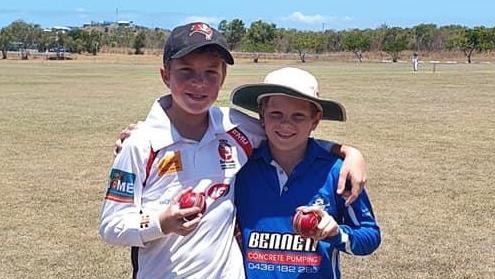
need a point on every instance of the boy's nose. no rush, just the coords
(198, 80)
(285, 121)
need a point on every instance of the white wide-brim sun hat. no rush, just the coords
(291, 82)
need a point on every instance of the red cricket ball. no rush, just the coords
(305, 224)
(192, 199)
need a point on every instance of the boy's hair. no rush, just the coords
(264, 101)
(187, 38)
(213, 50)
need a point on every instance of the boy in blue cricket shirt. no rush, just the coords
(291, 171)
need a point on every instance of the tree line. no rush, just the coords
(261, 36)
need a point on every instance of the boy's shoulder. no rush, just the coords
(322, 149)
(231, 118)
(140, 139)
(237, 117)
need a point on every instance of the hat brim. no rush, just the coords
(246, 96)
(225, 53)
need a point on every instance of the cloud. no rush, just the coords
(82, 13)
(205, 19)
(307, 19)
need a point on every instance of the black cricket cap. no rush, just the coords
(186, 38)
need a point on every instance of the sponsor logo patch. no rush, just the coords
(242, 140)
(218, 190)
(283, 249)
(202, 29)
(320, 202)
(225, 154)
(121, 186)
(170, 163)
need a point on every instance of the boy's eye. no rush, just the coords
(275, 114)
(184, 70)
(212, 72)
(299, 117)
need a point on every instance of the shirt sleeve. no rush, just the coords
(250, 126)
(122, 220)
(325, 144)
(359, 233)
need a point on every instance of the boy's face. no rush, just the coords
(288, 122)
(194, 81)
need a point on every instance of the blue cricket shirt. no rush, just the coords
(271, 249)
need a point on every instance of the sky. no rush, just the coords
(315, 15)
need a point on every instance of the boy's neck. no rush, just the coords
(288, 160)
(191, 126)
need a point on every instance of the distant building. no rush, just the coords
(125, 23)
(61, 29)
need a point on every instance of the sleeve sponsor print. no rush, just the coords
(121, 186)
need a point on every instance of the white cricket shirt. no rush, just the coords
(154, 165)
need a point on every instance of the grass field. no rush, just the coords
(428, 140)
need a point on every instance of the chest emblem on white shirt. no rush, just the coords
(170, 163)
(217, 190)
(225, 154)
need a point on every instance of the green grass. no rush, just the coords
(428, 141)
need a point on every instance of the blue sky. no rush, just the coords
(299, 14)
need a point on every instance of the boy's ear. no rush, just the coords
(165, 74)
(317, 119)
(260, 115)
(224, 72)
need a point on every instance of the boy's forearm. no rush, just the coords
(360, 241)
(130, 229)
(361, 228)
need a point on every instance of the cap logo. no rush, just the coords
(202, 28)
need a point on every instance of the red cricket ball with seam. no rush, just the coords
(306, 224)
(192, 199)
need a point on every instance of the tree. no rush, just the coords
(22, 34)
(155, 38)
(92, 41)
(139, 42)
(5, 38)
(233, 31)
(424, 36)
(470, 40)
(333, 41)
(394, 42)
(304, 42)
(357, 42)
(260, 37)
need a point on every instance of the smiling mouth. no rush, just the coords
(195, 97)
(283, 135)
